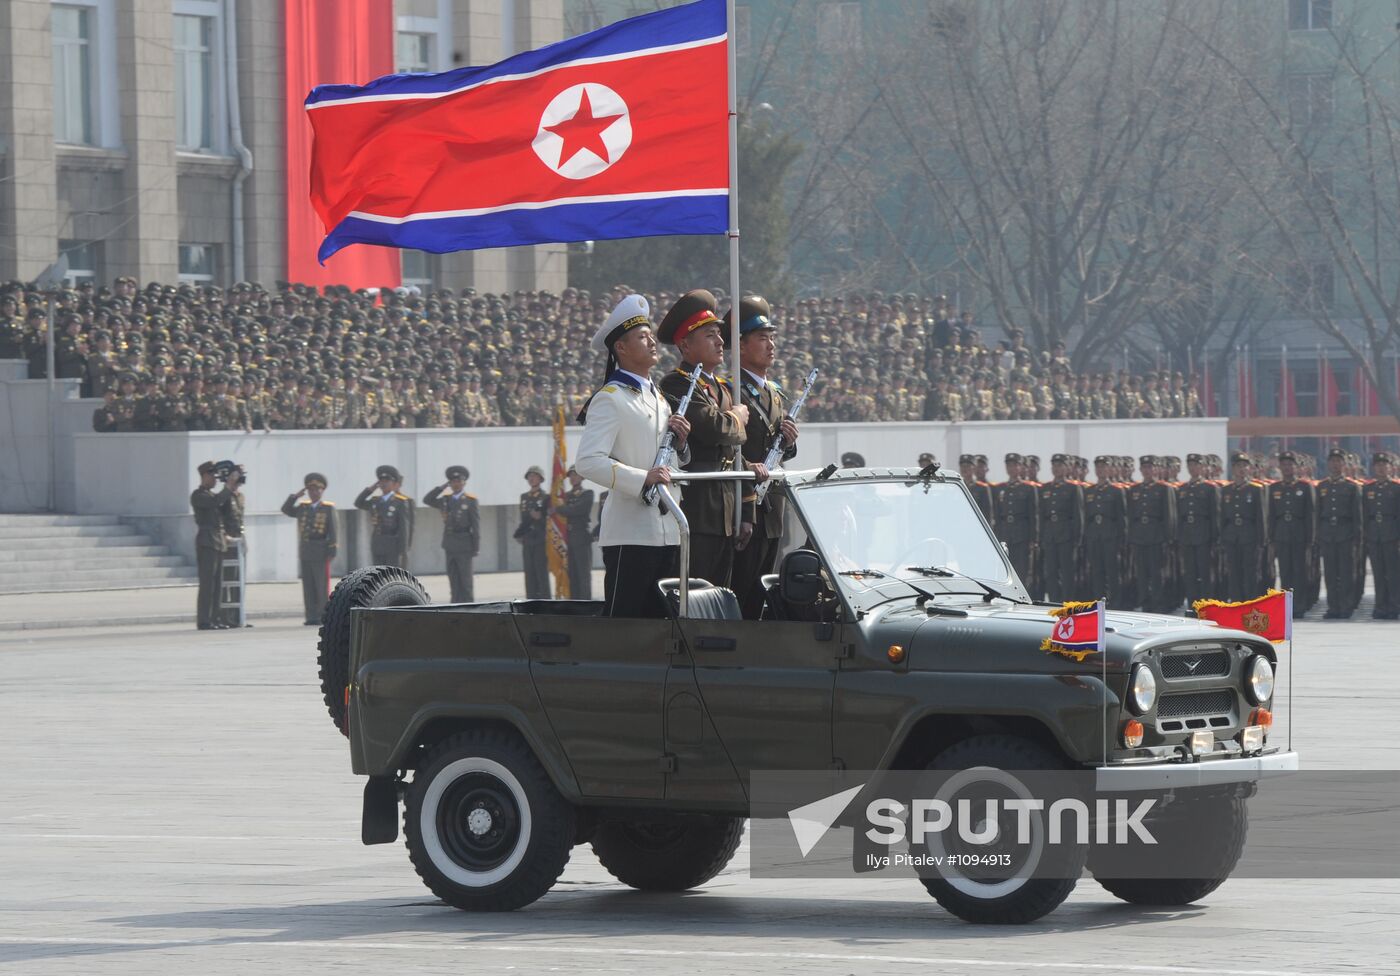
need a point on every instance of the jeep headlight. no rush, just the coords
(1259, 679)
(1142, 692)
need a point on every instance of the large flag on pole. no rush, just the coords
(556, 532)
(620, 132)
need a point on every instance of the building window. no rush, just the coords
(423, 35)
(741, 36)
(72, 74)
(82, 261)
(419, 270)
(1310, 285)
(1309, 99)
(198, 263)
(414, 52)
(1309, 14)
(194, 82)
(838, 27)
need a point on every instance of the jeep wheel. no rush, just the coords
(1214, 831)
(1001, 900)
(373, 586)
(675, 854)
(486, 829)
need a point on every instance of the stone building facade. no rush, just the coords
(123, 146)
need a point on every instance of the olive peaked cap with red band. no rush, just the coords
(691, 311)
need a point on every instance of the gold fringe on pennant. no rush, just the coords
(1238, 603)
(1071, 652)
(1071, 607)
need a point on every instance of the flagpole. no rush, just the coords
(1289, 610)
(732, 48)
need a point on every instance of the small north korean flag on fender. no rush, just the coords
(621, 132)
(1078, 630)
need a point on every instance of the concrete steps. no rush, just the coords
(56, 553)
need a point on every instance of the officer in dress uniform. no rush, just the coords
(1380, 509)
(1244, 530)
(391, 513)
(1105, 532)
(625, 422)
(316, 542)
(1292, 510)
(577, 510)
(461, 529)
(209, 546)
(231, 514)
(717, 428)
(532, 534)
(1018, 516)
(1151, 525)
(762, 521)
(1061, 528)
(981, 491)
(1198, 528)
(1339, 535)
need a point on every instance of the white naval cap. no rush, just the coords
(631, 312)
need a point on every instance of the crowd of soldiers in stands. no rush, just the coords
(186, 357)
(1166, 540)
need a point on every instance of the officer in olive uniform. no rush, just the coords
(1061, 528)
(316, 543)
(231, 514)
(209, 545)
(1151, 526)
(1292, 510)
(717, 428)
(391, 513)
(461, 529)
(1244, 530)
(1339, 535)
(1380, 510)
(532, 534)
(1105, 532)
(1018, 517)
(1198, 530)
(577, 510)
(768, 404)
(980, 490)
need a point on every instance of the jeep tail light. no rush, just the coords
(1132, 733)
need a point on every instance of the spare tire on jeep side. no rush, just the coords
(373, 586)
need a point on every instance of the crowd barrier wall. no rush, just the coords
(147, 478)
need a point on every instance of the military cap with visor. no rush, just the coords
(389, 472)
(314, 478)
(458, 471)
(755, 315)
(693, 310)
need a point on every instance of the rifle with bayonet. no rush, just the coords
(780, 445)
(666, 453)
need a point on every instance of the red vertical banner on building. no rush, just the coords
(327, 42)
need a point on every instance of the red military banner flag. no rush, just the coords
(1078, 632)
(1269, 616)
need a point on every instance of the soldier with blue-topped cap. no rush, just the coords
(624, 424)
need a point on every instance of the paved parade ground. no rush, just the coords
(177, 802)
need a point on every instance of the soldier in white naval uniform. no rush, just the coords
(624, 423)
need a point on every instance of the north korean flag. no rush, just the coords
(1079, 630)
(621, 132)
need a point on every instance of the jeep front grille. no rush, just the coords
(1196, 710)
(1196, 664)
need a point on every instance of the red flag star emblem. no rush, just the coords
(584, 131)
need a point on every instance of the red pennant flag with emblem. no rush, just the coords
(1269, 616)
(1078, 631)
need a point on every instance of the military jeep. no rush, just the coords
(895, 635)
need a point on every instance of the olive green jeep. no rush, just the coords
(895, 635)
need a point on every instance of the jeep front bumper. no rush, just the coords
(1185, 775)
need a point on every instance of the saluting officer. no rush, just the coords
(1244, 530)
(1380, 508)
(1339, 535)
(1198, 528)
(762, 521)
(1292, 509)
(1061, 528)
(980, 490)
(717, 427)
(1105, 532)
(461, 529)
(1151, 525)
(316, 543)
(577, 509)
(532, 534)
(624, 424)
(1018, 517)
(391, 514)
(209, 545)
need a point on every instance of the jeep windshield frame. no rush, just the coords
(890, 519)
